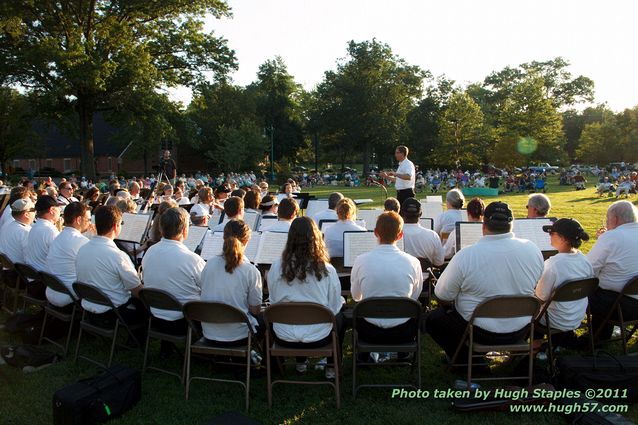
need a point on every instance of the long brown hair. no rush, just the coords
(305, 251)
(236, 234)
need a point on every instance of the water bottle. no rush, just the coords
(255, 358)
(460, 384)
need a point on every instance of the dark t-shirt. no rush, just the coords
(494, 182)
(169, 167)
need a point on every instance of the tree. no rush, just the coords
(574, 122)
(16, 135)
(87, 56)
(242, 148)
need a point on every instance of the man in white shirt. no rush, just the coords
(499, 264)
(386, 271)
(180, 276)
(405, 175)
(333, 236)
(100, 263)
(66, 194)
(16, 193)
(233, 210)
(330, 213)
(417, 240)
(286, 213)
(538, 205)
(15, 234)
(615, 261)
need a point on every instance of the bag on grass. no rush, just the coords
(27, 357)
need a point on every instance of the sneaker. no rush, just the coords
(330, 373)
(302, 367)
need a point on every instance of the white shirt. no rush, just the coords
(422, 243)
(282, 226)
(386, 271)
(325, 215)
(405, 167)
(560, 268)
(449, 247)
(61, 263)
(170, 266)
(241, 289)
(614, 257)
(13, 240)
(66, 201)
(333, 236)
(42, 233)
(447, 221)
(102, 264)
(6, 216)
(326, 292)
(495, 265)
(183, 201)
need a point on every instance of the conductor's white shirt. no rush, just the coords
(495, 265)
(614, 257)
(102, 264)
(170, 266)
(386, 271)
(422, 243)
(326, 292)
(405, 167)
(42, 234)
(61, 263)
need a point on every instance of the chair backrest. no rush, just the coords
(27, 272)
(6, 263)
(92, 294)
(387, 308)
(55, 284)
(507, 306)
(631, 287)
(337, 263)
(213, 312)
(160, 299)
(425, 263)
(573, 290)
(298, 314)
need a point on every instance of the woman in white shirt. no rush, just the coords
(346, 212)
(304, 274)
(447, 220)
(566, 236)
(475, 211)
(231, 279)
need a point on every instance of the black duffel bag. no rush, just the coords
(99, 398)
(602, 371)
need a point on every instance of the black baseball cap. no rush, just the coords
(498, 212)
(568, 228)
(411, 206)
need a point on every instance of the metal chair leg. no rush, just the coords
(148, 340)
(117, 325)
(44, 325)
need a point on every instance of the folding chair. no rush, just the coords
(29, 276)
(301, 314)
(500, 307)
(571, 290)
(12, 283)
(97, 296)
(386, 308)
(219, 313)
(630, 288)
(426, 269)
(158, 299)
(54, 283)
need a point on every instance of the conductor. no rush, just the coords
(168, 166)
(405, 175)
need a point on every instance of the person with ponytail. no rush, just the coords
(446, 221)
(304, 274)
(229, 278)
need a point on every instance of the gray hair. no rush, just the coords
(540, 203)
(455, 198)
(334, 199)
(173, 222)
(624, 211)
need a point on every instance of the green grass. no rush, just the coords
(26, 398)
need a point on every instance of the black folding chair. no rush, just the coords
(630, 288)
(13, 284)
(54, 284)
(30, 276)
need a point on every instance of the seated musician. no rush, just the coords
(180, 198)
(304, 274)
(447, 220)
(268, 206)
(240, 193)
(417, 240)
(204, 205)
(286, 213)
(180, 277)
(15, 234)
(134, 191)
(386, 271)
(222, 192)
(330, 213)
(155, 234)
(475, 211)
(229, 278)
(569, 264)
(252, 201)
(392, 204)
(42, 234)
(16, 193)
(499, 264)
(233, 209)
(614, 260)
(346, 212)
(263, 187)
(92, 198)
(66, 194)
(538, 205)
(102, 264)
(64, 250)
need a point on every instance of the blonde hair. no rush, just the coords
(346, 209)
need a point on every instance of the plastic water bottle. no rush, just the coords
(321, 364)
(460, 384)
(375, 357)
(255, 358)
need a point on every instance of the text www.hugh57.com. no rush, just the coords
(568, 409)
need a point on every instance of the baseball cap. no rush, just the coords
(568, 228)
(24, 204)
(498, 212)
(411, 206)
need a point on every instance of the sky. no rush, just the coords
(462, 39)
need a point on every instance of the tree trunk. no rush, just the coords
(87, 160)
(145, 162)
(366, 158)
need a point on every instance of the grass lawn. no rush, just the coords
(26, 398)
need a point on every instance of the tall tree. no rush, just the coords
(16, 135)
(88, 55)
(575, 121)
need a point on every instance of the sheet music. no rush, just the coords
(427, 222)
(251, 248)
(431, 210)
(532, 230)
(251, 218)
(214, 218)
(134, 227)
(325, 224)
(266, 222)
(369, 217)
(434, 198)
(315, 206)
(271, 245)
(281, 197)
(467, 234)
(363, 201)
(213, 245)
(195, 236)
(357, 243)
